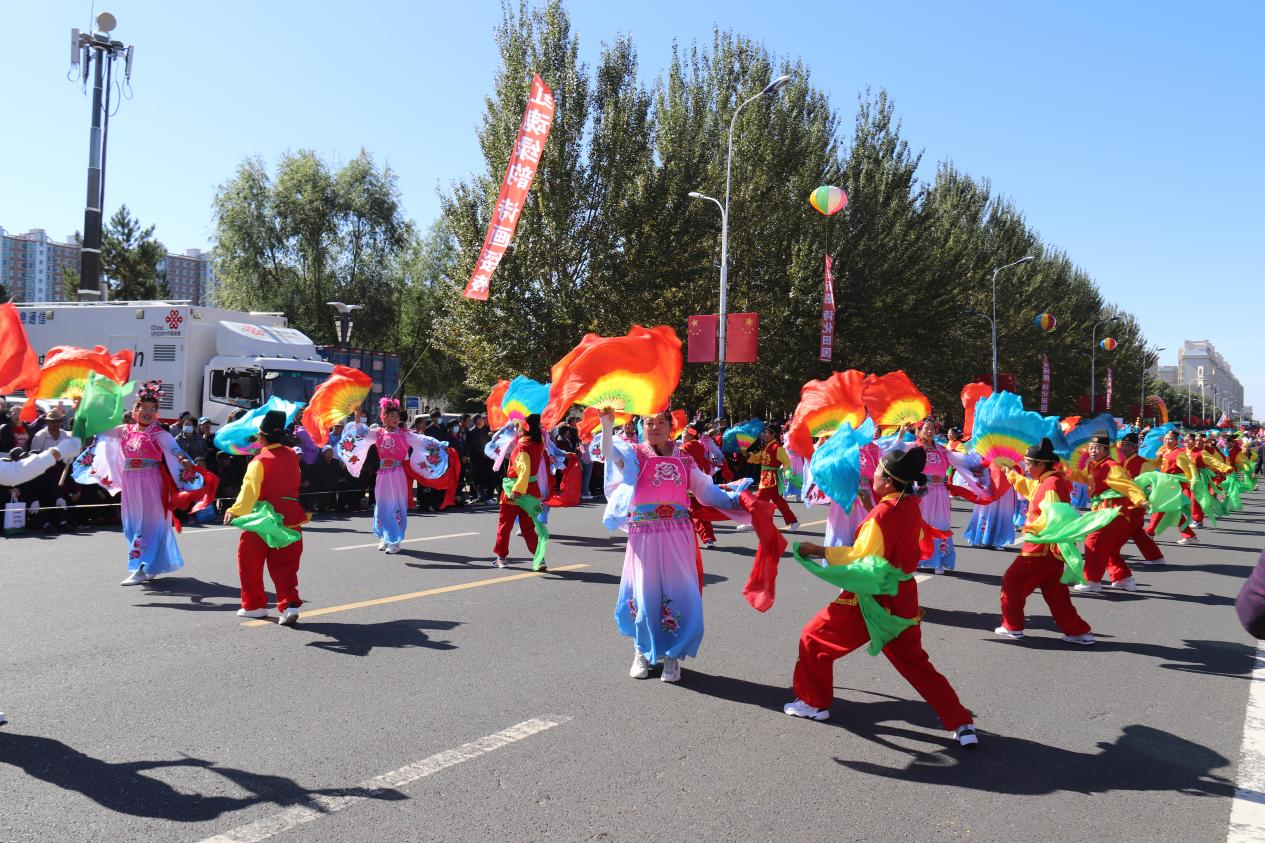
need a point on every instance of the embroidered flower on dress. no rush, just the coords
(668, 619)
(632, 608)
(665, 510)
(666, 472)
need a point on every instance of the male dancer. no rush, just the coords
(1135, 464)
(1110, 486)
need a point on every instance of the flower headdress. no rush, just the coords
(150, 391)
(386, 404)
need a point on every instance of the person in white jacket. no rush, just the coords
(17, 472)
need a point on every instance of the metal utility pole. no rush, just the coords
(97, 53)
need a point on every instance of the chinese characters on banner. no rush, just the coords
(1108, 388)
(1045, 384)
(826, 353)
(537, 120)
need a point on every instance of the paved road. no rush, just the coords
(489, 704)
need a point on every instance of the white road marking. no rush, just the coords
(923, 577)
(320, 806)
(409, 541)
(1247, 812)
(194, 532)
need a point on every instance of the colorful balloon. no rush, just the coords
(828, 200)
(1046, 322)
(1108, 344)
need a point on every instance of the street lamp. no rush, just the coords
(343, 321)
(1145, 366)
(1093, 356)
(993, 320)
(772, 88)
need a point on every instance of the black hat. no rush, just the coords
(1131, 438)
(274, 422)
(1100, 439)
(905, 467)
(1043, 452)
(955, 431)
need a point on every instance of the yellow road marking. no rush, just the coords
(812, 523)
(413, 595)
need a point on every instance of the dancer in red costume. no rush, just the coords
(273, 478)
(1110, 486)
(772, 458)
(1135, 464)
(693, 446)
(1172, 459)
(524, 465)
(1040, 565)
(894, 532)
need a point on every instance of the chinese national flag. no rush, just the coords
(701, 339)
(743, 338)
(19, 367)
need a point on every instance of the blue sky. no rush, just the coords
(1129, 133)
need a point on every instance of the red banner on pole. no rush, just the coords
(1045, 384)
(826, 352)
(742, 338)
(701, 338)
(532, 133)
(1108, 407)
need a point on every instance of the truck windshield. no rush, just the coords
(293, 386)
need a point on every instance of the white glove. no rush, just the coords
(69, 448)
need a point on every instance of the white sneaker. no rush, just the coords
(382, 545)
(1198, 525)
(742, 528)
(1126, 584)
(799, 708)
(136, 578)
(1088, 587)
(709, 545)
(792, 527)
(3, 719)
(393, 547)
(1086, 639)
(966, 736)
(939, 569)
(671, 670)
(1016, 634)
(499, 561)
(289, 617)
(640, 667)
(1188, 540)
(252, 613)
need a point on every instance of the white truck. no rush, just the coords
(210, 361)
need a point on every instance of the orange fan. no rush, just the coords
(65, 373)
(334, 400)
(893, 400)
(496, 415)
(971, 395)
(823, 406)
(633, 374)
(591, 423)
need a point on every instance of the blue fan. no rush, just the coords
(1150, 447)
(1004, 430)
(524, 397)
(836, 465)
(742, 436)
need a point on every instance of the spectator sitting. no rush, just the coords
(188, 440)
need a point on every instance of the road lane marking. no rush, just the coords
(413, 595)
(184, 533)
(318, 806)
(1247, 811)
(812, 523)
(923, 577)
(409, 541)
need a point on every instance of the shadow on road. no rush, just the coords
(360, 639)
(197, 592)
(125, 789)
(1141, 759)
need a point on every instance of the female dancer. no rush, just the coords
(935, 499)
(396, 445)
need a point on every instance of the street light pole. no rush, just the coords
(1024, 259)
(1093, 357)
(771, 88)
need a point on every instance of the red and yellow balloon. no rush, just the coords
(828, 200)
(1107, 344)
(1046, 322)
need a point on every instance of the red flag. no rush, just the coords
(826, 350)
(1045, 384)
(701, 338)
(742, 338)
(19, 367)
(519, 174)
(1108, 388)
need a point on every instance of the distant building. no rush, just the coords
(1199, 365)
(1167, 374)
(1247, 413)
(31, 264)
(31, 268)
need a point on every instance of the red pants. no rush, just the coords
(283, 568)
(1196, 511)
(702, 527)
(510, 512)
(837, 630)
(1150, 550)
(1024, 576)
(770, 493)
(1102, 547)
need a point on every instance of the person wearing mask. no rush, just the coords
(188, 440)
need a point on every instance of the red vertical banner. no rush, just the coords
(826, 350)
(519, 174)
(1045, 384)
(742, 338)
(1108, 388)
(701, 338)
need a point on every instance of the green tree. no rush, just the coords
(429, 266)
(70, 283)
(129, 258)
(312, 235)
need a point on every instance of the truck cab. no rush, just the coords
(284, 363)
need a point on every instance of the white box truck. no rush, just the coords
(210, 361)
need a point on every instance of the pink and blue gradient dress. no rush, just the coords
(392, 489)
